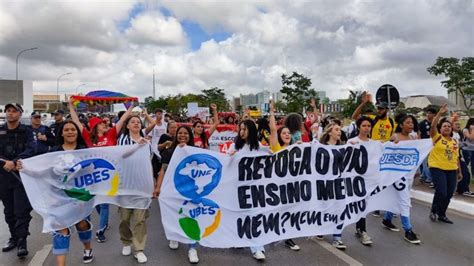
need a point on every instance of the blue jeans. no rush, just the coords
(426, 174)
(103, 210)
(445, 184)
(405, 220)
(463, 185)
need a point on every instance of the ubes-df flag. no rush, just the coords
(63, 187)
(254, 198)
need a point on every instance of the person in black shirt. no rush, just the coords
(16, 142)
(424, 128)
(58, 120)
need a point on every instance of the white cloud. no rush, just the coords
(153, 28)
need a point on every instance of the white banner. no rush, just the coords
(257, 198)
(63, 187)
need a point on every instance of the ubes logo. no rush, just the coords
(195, 177)
(92, 172)
(399, 159)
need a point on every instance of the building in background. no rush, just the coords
(10, 94)
(456, 98)
(45, 102)
(422, 101)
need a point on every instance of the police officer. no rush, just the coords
(42, 135)
(58, 121)
(16, 142)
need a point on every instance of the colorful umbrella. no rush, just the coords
(103, 97)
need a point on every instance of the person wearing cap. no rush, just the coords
(42, 135)
(99, 136)
(16, 142)
(58, 121)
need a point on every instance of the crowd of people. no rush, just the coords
(446, 169)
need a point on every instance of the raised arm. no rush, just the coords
(151, 122)
(434, 123)
(124, 117)
(74, 117)
(215, 119)
(365, 98)
(273, 127)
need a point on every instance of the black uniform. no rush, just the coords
(55, 128)
(15, 144)
(41, 146)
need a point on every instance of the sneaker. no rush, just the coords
(141, 258)
(100, 235)
(468, 194)
(444, 219)
(411, 237)
(193, 256)
(364, 238)
(88, 257)
(433, 216)
(319, 237)
(259, 255)
(173, 244)
(126, 250)
(431, 185)
(376, 213)
(292, 245)
(390, 226)
(338, 244)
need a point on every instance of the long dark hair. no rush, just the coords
(60, 140)
(293, 122)
(469, 123)
(191, 137)
(203, 135)
(400, 119)
(263, 126)
(126, 131)
(252, 138)
(440, 124)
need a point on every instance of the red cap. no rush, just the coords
(94, 121)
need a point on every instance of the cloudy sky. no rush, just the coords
(240, 46)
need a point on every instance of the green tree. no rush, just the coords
(350, 104)
(217, 96)
(280, 106)
(460, 77)
(296, 91)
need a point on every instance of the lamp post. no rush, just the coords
(57, 87)
(16, 79)
(83, 84)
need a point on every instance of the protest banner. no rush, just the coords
(256, 198)
(63, 187)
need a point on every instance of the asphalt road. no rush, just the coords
(442, 244)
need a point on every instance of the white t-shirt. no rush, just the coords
(358, 140)
(155, 135)
(246, 148)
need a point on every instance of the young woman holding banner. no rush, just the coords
(247, 140)
(201, 136)
(184, 137)
(444, 165)
(364, 125)
(137, 235)
(69, 138)
(98, 136)
(403, 132)
(280, 139)
(332, 136)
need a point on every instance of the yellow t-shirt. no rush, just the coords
(444, 154)
(276, 148)
(382, 130)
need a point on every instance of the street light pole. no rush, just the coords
(57, 87)
(16, 76)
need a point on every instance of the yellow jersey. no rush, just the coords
(444, 154)
(382, 130)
